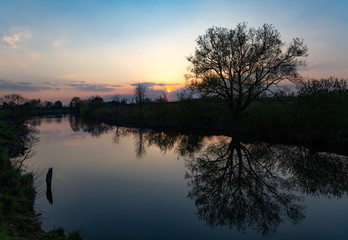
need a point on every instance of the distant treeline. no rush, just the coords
(311, 88)
(316, 111)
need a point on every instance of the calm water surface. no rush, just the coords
(123, 183)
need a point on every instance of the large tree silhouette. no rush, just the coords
(239, 64)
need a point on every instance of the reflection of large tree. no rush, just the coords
(255, 185)
(240, 187)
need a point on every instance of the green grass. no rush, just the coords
(324, 121)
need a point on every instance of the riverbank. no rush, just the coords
(322, 122)
(18, 220)
(17, 194)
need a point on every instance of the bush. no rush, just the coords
(89, 106)
(314, 87)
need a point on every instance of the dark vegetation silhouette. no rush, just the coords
(75, 104)
(91, 106)
(317, 114)
(140, 93)
(239, 64)
(17, 193)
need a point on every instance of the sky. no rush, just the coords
(58, 49)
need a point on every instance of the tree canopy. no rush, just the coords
(13, 100)
(239, 64)
(140, 93)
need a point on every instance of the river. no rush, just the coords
(128, 183)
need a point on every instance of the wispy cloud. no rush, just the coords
(79, 77)
(24, 86)
(7, 63)
(93, 87)
(152, 84)
(4, 63)
(59, 43)
(14, 37)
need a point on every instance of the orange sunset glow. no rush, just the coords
(51, 51)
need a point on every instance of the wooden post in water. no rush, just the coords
(48, 186)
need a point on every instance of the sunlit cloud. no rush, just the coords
(10, 41)
(156, 88)
(14, 37)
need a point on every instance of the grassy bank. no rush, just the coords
(17, 194)
(322, 120)
(18, 219)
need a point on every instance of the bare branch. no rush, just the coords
(239, 64)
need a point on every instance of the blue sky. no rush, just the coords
(60, 49)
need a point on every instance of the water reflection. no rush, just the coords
(95, 129)
(184, 145)
(241, 186)
(244, 186)
(236, 184)
(37, 121)
(314, 173)
(254, 185)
